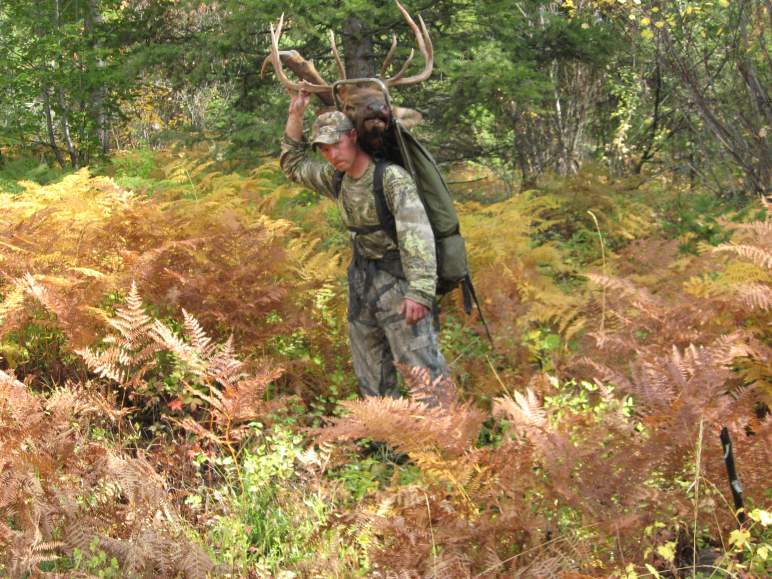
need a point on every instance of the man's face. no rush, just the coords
(342, 154)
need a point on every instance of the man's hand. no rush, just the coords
(297, 107)
(299, 103)
(413, 311)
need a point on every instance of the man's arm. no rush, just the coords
(294, 160)
(414, 235)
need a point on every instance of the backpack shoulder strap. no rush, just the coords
(385, 215)
(337, 183)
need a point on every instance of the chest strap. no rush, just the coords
(385, 217)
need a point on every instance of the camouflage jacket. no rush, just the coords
(357, 206)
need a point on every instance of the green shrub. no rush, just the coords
(271, 518)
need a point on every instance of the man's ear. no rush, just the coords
(354, 135)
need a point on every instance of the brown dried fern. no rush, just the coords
(54, 482)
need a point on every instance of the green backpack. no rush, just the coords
(452, 264)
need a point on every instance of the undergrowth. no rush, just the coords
(177, 396)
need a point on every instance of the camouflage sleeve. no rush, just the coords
(414, 234)
(298, 167)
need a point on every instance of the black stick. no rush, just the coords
(734, 481)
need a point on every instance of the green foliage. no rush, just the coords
(362, 477)
(39, 348)
(137, 163)
(64, 62)
(693, 218)
(458, 341)
(597, 385)
(539, 86)
(584, 398)
(26, 169)
(272, 520)
(753, 545)
(95, 562)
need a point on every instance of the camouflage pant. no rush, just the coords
(380, 336)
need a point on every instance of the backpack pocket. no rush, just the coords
(451, 258)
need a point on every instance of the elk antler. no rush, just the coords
(424, 46)
(292, 59)
(312, 81)
(389, 56)
(304, 69)
(338, 61)
(277, 66)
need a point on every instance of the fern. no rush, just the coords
(601, 465)
(130, 351)
(211, 373)
(407, 425)
(758, 255)
(12, 304)
(56, 483)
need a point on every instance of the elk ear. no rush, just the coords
(409, 118)
(343, 94)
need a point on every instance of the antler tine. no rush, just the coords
(394, 79)
(338, 61)
(389, 55)
(425, 46)
(277, 66)
(279, 26)
(269, 60)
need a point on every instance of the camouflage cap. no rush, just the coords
(328, 127)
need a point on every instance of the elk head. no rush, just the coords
(364, 101)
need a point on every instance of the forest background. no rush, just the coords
(176, 395)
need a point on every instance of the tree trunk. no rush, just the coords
(358, 47)
(50, 127)
(93, 20)
(648, 151)
(562, 162)
(64, 111)
(522, 158)
(65, 122)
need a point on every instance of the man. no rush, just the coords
(391, 281)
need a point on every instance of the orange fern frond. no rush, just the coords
(754, 295)
(639, 297)
(407, 425)
(440, 391)
(525, 411)
(753, 253)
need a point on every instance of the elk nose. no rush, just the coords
(376, 107)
